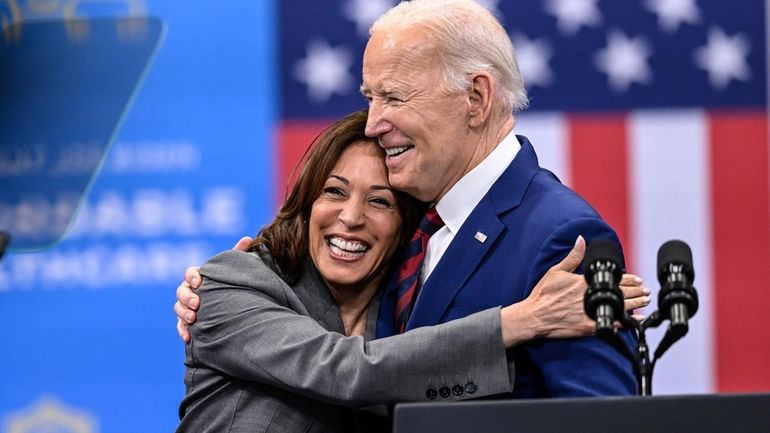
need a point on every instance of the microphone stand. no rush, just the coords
(640, 356)
(603, 302)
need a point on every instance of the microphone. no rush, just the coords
(677, 300)
(603, 300)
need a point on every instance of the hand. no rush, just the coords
(635, 295)
(187, 302)
(555, 309)
(243, 244)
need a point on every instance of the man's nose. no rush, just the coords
(376, 125)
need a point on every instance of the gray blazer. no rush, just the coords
(266, 357)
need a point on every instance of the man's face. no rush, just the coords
(422, 128)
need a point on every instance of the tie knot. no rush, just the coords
(431, 222)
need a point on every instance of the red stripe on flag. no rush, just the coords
(599, 173)
(741, 230)
(293, 138)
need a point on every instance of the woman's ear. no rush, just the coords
(480, 99)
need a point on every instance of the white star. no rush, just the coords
(324, 70)
(572, 14)
(624, 60)
(672, 13)
(724, 58)
(491, 6)
(365, 12)
(532, 57)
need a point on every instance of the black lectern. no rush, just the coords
(744, 413)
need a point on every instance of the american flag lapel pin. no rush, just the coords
(481, 237)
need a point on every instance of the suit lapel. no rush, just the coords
(456, 265)
(474, 240)
(314, 294)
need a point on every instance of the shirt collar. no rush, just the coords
(458, 203)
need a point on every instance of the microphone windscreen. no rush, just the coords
(678, 252)
(604, 250)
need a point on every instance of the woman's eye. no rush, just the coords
(333, 190)
(381, 202)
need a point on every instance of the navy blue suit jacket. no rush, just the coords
(531, 222)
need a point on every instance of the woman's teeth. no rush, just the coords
(346, 248)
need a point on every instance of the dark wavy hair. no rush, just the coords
(286, 238)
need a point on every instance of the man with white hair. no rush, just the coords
(442, 85)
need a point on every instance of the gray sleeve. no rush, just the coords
(258, 331)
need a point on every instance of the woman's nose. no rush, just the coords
(352, 213)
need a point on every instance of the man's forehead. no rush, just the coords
(402, 58)
(384, 86)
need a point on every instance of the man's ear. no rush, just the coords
(480, 99)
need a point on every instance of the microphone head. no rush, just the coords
(603, 250)
(603, 300)
(675, 252)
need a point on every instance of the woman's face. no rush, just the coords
(354, 223)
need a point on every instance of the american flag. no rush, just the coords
(654, 110)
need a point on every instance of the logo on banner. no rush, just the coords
(49, 415)
(15, 11)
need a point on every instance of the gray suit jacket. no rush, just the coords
(268, 357)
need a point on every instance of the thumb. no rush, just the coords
(575, 256)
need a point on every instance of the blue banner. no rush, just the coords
(89, 338)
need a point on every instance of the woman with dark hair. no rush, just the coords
(288, 234)
(282, 333)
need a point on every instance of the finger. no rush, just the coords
(243, 244)
(184, 313)
(183, 331)
(631, 280)
(634, 291)
(192, 276)
(634, 303)
(186, 296)
(575, 256)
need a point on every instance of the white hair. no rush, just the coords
(471, 39)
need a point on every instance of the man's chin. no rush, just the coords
(411, 186)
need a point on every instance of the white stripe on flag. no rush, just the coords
(548, 133)
(669, 182)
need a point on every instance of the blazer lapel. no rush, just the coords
(474, 240)
(316, 297)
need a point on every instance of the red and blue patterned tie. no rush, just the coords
(408, 281)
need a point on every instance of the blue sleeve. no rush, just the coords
(583, 366)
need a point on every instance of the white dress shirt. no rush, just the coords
(458, 203)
